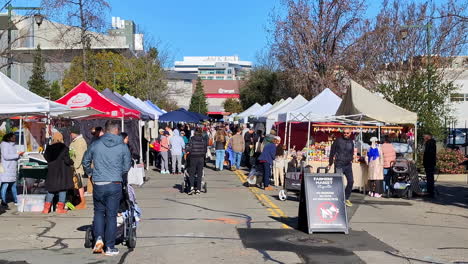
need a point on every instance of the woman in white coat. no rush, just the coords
(375, 161)
(9, 158)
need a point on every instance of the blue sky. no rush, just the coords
(202, 27)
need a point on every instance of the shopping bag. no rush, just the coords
(136, 175)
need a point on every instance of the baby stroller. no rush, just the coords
(186, 180)
(127, 218)
(404, 179)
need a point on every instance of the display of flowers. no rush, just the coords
(448, 160)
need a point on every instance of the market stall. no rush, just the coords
(272, 116)
(364, 113)
(84, 95)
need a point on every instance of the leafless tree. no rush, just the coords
(312, 40)
(406, 36)
(86, 16)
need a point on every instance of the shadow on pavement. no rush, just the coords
(316, 248)
(451, 194)
(83, 228)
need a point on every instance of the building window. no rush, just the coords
(203, 77)
(229, 78)
(209, 78)
(219, 71)
(457, 97)
(207, 72)
(229, 71)
(219, 78)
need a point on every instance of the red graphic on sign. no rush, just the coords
(327, 211)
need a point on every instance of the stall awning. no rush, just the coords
(17, 100)
(84, 95)
(360, 101)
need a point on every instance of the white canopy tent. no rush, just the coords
(142, 105)
(17, 100)
(262, 110)
(324, 104)
(276, 106)
(272, 116)
(244, 115)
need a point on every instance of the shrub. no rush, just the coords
(448, 160)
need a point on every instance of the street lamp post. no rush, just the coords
(38, 18)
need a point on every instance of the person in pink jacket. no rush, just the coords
(389, 156)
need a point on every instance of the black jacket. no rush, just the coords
(430, 151)
(60, 170)
(197, 147)
(342, 152)
(250, 139)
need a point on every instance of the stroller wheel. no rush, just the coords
(89, 239)
(205, 189)
(131, 239)
(282, 195)
(409, 194)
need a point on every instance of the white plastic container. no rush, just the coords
(31, 202)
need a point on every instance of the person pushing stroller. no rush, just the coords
(196, 152)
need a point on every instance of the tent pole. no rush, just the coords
(416, 142)
(140, 133)
(308, 141)
(289, 136)
(286, 134)
(360, 139)
(20, 131)
(379, 132)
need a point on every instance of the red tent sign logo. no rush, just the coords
(79, 100)
(327, 212)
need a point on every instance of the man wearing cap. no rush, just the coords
(78, 148)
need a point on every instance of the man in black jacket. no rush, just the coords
(196, 150)
(341, 153)
(429, 162)
(250, 139)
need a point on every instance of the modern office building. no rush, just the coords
(215, 67)
(60, 44)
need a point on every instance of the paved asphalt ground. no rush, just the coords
(236, 224)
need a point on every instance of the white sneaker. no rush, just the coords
(111, 252)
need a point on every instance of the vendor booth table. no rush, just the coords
(360, 173)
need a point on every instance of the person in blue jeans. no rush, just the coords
(237, 144)
(9, 159)
(220, 147)
(111, 160)
(266, 159)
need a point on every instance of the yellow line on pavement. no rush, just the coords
(264, 200)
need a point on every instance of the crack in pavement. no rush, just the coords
(58, 240)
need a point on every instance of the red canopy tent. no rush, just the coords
(84, 95)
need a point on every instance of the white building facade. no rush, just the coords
(215, 67)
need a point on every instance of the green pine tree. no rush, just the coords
(37, 82)
(198, 102)
(55, 91)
